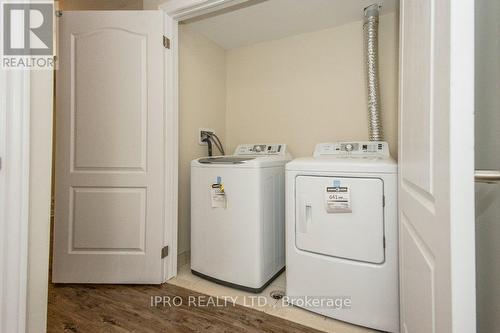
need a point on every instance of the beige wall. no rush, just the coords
(487, 137)
(309, 88)
(153, 4)
(487, 85)
(100, 4)
(202, 98)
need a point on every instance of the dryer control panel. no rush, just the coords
(261, 149)
(353, 148)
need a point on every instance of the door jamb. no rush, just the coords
(14, 198)
(174, 12)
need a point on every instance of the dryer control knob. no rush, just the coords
(348, 147)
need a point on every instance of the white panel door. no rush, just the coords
(110, 148)
(436, 163)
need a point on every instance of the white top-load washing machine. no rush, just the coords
(238, 216)
(341, 234)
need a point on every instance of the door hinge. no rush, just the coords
(383, 201)
(164, 251)
(384, 241)
(166, 42)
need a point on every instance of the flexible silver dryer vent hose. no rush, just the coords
(370, 31)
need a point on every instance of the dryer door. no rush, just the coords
(340, 217)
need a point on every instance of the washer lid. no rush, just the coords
(224, 160)
(352, 164)
(240, 161)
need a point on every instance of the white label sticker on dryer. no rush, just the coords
(218, 196)
(338, 199)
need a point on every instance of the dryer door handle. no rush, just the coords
(308, 214)
(304, 217)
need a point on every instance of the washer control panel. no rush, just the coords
(354, 148)
(261, 149)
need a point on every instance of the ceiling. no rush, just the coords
(262, 20)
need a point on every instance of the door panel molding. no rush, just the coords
(92, 130)
(103, 226)
(418, 48)
(422, 308)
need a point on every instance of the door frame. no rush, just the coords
(14, 198)
(176, 11)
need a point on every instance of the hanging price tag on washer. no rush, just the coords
(218, 196)
(338, 199)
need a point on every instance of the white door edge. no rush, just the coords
(14, 198)
(172, 147)
(463, 228)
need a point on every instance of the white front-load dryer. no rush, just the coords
(341, 234)
(238, 216)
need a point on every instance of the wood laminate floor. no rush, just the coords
(125, 308)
